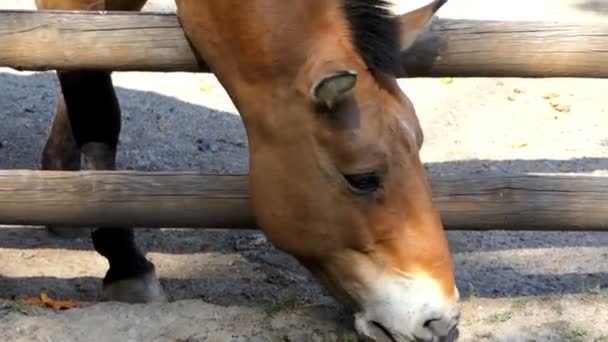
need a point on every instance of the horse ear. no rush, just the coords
(412, 22)
(330, 89)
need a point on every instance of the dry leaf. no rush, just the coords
(550, 96)
(47, 301)
(500, 83)
(33, 301)
(510, 98)
(57, 304)
(517, 91)
(519, 144)
(560, 108)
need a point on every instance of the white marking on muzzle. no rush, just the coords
(402, 304)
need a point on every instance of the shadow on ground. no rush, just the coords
(594, 6)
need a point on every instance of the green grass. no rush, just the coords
(473, 293)
(579, 331)
(16, 305)
(288, 302)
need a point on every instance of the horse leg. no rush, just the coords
(87, 125)
(92, 111)
(61, 152)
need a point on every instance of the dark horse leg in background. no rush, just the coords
(87, 123)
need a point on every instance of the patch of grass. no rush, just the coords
(579, 331)
(16, 305)
(288, 302)
(350, 338)
(499, 317)
(603, 338)
(473, 293)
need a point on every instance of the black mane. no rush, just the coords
(375, 33)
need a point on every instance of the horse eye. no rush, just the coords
(363, 183)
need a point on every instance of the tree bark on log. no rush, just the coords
(126, 41)
(194, 200)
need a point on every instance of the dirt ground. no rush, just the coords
(234, 286)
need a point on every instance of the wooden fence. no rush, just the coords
(47, 40)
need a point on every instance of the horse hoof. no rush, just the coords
(143, 289)
(69, 232)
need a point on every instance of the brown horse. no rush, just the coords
(335, 174)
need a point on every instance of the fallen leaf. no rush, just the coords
(47, 301)
(550, 96)
(510, 98)
(500, 83)
(57, 304)
(560, 107)
(517, 91)
(447, 80)
(33, 301)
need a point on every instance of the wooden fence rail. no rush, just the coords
(123, 41)
(193, 200)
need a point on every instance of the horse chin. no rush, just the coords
(374, 331)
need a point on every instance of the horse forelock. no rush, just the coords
(375, 34)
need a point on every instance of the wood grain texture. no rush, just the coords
(47, 40)
(122, 41)
(510, 49)
(114, 199)
(193, 200)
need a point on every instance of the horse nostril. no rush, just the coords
(452, 336)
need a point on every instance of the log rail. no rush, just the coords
(195, 200)
(128, 41)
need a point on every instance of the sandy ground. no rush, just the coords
(234, 286)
